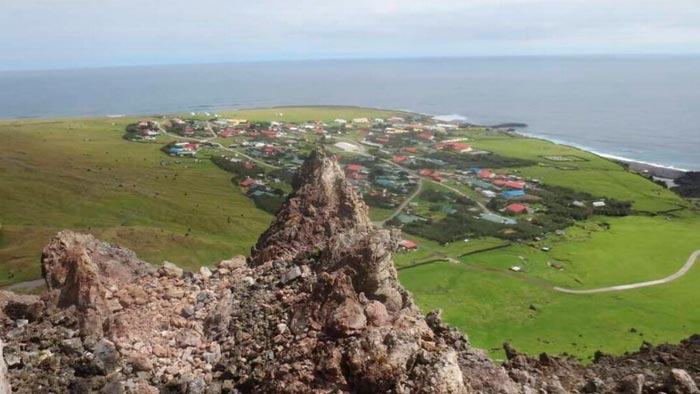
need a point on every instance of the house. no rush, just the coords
(408, 245)
(488, 193)
(491, 217)
(426, 172)
(485, 174)
(578, 204)
(514, 184)
(455, 146)
(354, 167)
(354, 175)
(360, 120)
(512, 193)
(392, 130)
(340, 121)
(599, 204)
(348, 147)
(372, 144)
(399, 159)
(517, 208)
(426, 136)
(270, 133)
(437, 177)
(248, 165)
(411, 149)
(248, 182)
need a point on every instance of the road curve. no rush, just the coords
(403, 205)
(684, 270)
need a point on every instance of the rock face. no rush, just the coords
(317, 308)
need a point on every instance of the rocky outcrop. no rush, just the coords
(317, 308)
(83, 270)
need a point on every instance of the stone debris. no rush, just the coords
(317, 308)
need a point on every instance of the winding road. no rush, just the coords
(684, 270)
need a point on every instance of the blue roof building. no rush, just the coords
(513, 193)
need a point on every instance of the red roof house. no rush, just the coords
(411, 149)
(515, 184)
(517, 208)
(354, 167)
(426, 136)
(399, 159)
(485, 174)
(248, 182)
(426, 172)
(455, 146)
(408, 245)
(270, 133)
(248, 165)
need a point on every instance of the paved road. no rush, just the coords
(403, 205)
(684, 270)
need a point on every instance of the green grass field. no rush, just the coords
(595, 175)
(493, 309)
(492, 304)
(80, 174)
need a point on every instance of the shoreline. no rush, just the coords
(646, 167)
(639, 165)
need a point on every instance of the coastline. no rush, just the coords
(648, 168)
(658, 170)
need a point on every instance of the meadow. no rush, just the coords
(593, 174)
(80, 174)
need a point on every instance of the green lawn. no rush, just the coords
(595, 175)
(493, 309)
(302, 114)
(81, 174)
(634, 249)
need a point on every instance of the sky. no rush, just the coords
(48, 34)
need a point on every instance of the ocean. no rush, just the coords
(643, 108)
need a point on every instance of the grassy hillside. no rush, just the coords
(81, 174)
(585, 172)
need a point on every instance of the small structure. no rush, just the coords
(599, 204)
(408, 245)
(516, 268)
(248, 182)
(354, 167)
(517, 208)
(512, 193)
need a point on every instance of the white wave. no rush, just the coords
(450, 118)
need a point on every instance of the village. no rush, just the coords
(417, 173)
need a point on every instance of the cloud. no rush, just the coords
(67, 33)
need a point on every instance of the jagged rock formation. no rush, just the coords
(317, 308)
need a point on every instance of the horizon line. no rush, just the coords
(350, 58)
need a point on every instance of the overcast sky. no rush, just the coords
(41, 34)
